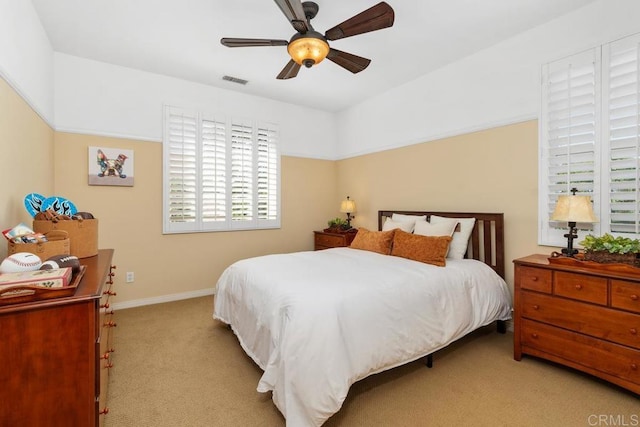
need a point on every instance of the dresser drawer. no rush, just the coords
(581, 287)
(606, 357)
(625, 295)
(615, 326)
(535, 279)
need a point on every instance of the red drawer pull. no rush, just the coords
(578, 287)
(536, 306)
(534, 279)
(634, 297)
(633, 331)
(534, 335)
(634, 366)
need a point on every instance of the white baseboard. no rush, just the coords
(162, 299)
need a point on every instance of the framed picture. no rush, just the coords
(110, 166)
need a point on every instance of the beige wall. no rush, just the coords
(130, 219)
(26, 150)
(495, 170)
(489, 171)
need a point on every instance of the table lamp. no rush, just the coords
(573, 209)
(348, 206)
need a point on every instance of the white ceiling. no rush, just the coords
(181, 38)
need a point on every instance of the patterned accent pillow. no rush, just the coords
(427, 249)
(374, 241)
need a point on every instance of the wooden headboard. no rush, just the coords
(486, 243)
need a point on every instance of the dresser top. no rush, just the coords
(615, 271)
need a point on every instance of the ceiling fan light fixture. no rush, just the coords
(308, 49)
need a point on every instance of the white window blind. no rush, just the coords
(589, 138)
(219, 174)
(621, 64)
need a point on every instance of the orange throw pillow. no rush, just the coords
(374, 241)
(427, 249)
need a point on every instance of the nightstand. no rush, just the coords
(324, 240)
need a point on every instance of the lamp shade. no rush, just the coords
(348, 206)
(308, 49)
(574, 209)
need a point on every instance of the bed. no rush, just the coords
(317, 322)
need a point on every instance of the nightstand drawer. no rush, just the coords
(329, 240)
(535, 279)
(581, 287)
(625, 295)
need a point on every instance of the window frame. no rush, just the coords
(259, 220)
(601, 190)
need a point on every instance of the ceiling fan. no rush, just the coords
(308, 47)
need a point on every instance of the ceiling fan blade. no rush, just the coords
(375, 18)
(348, 61)
(294, 12)
(235, 42)
(289, 71)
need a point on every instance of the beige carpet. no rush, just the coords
(176, 366)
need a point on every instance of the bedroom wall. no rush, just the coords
(182, 265)
(26, 147)
(493, 170)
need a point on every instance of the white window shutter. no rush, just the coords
(180, 170)
(569, 136)
(268, 195)
(219, 174)
(622, 123)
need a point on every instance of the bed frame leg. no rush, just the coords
(501, 326)
(429, 360)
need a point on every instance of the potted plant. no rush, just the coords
(337, 225)
(609, 249)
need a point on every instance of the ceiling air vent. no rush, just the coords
(235, 80)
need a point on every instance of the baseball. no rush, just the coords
(21, 261)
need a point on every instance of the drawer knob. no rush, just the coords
(633, 331)
(634, 366)
(104, 411)
(634, 297)
(536, 306)
(534, 279)
(534, 335)
(578, 286)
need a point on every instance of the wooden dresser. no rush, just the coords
(584, 318)
(54, 354)
(324, 240)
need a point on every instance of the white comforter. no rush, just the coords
(316, 322)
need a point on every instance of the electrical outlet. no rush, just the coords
(130, 276)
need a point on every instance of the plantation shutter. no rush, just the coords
(569, 136)
(214, 171)
(219, 174)
(622, 119)
(268, 167)
(242, 172)
(180, 166)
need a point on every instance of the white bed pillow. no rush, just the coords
(408, 218)
(460, 242)
(390, 224)
(425, 228)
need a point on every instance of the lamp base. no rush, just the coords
(572, 234)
